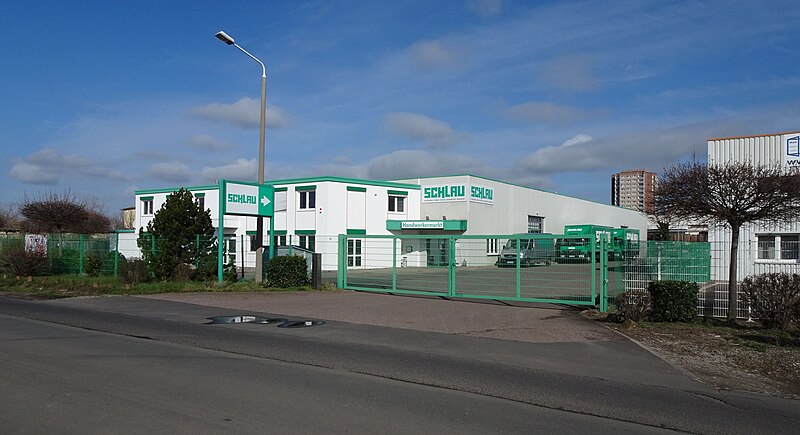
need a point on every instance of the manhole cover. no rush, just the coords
(244, 319)
(300, 323)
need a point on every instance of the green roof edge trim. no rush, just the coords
(347, 181)
(174, 189)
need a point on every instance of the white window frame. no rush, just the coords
(355, 252)
(307, 200)
(492, 247)
(307, 241)
(398, 203)
(147, 207)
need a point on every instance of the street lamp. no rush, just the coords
(224, 37)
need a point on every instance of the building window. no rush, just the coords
(308, 199)
(307, 242)
(230, 248)
(147, 206)
(201, 201)
(492, 247)
(535, 224)
(397, 203)
(354, 252)
(280, 200)
(766, 247)
(279, 240)
(789, 247)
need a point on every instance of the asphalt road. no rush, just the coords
(130, 365)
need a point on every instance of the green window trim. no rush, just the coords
(146, 198)
(199, 195)
(305, 188)
(398, 193)
(356, 189)
(279, 232)
(251, 233)
(305, 232)
(356, 232)
(281, 189)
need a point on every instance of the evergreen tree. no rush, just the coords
(179, 234)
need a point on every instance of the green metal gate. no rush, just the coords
(518, 267)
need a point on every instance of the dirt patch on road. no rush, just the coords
(743, 358)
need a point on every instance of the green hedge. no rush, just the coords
(673, 301)
(287, 271)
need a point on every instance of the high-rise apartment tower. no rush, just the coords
(634, 189)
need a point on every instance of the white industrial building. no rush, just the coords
(312, 212)
(762, 248)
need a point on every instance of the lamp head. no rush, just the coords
(222, 36)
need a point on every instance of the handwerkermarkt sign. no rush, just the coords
(247, 199)
(422, 225)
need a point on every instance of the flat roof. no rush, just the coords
(343, 180)
(754, 135)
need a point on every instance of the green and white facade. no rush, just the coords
(312, 212)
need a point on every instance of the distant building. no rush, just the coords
(634, 189)
(128, 217)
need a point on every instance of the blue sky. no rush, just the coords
(104, 98)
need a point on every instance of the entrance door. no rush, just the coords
(438, 252)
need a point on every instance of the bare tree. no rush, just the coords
(51, 212)
(729, 195)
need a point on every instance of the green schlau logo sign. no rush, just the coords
(457, 193)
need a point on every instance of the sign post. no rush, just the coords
(243, 199)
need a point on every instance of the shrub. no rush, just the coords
(673, 301)
(633, 305)
(93, 264)
(229, 272)
(65, 261)
(22, 262)
(134, 271)
(287, 271)
(774, 298)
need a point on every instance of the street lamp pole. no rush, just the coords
(224, 37)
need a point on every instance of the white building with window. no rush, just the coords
(311, 213)
(762, 248)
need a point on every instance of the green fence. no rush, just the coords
(525, 268)
(75, 254)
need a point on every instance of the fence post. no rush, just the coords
(341, 280)
(603, 275)
(196, 251)
(241, 250)
(518, 276)
(394, 263)
(451, 266)
(116, 255)
(80, 254)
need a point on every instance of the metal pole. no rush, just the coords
(260, 220)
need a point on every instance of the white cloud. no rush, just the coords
(240, 169)
(418, 163)
(48, 165)
(485, 8)
(32, 174)
(208, 142)
(174, 172)
(434, 55)
(420, 128)
(244, 113)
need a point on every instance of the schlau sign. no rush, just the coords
(247, 199)
(458, 193)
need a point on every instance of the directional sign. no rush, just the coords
(247, 199)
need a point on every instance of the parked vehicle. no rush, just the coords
(532, 251)
(624, 243)
(580, 248)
